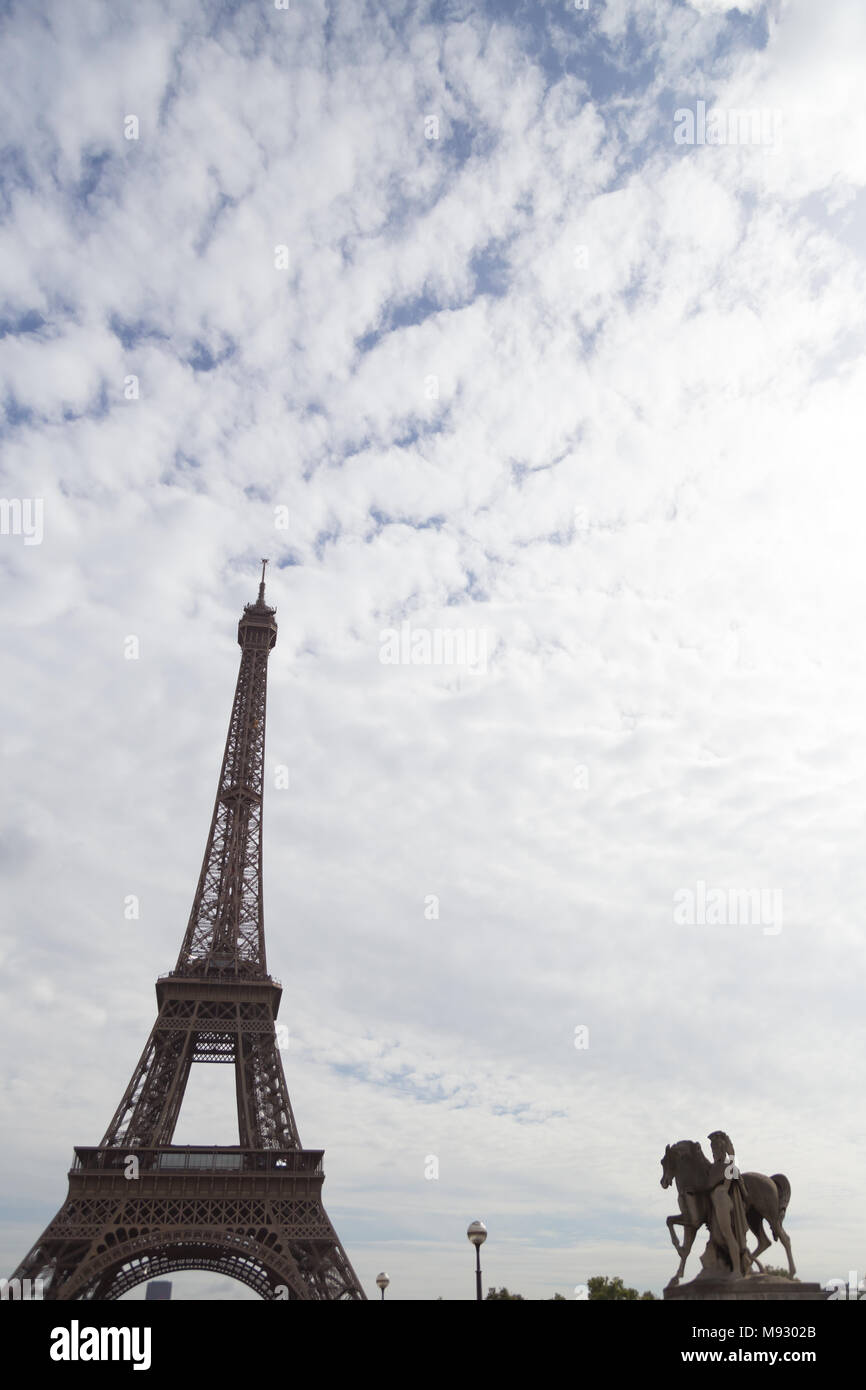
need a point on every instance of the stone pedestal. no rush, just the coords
(758, 1288)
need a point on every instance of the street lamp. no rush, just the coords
(477, 1234)
(382, 1282)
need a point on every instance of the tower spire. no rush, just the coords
(226, 929)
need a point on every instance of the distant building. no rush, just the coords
(158, 1291)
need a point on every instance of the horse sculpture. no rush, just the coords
(764, 1198)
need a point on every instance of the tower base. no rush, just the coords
(253, 1214)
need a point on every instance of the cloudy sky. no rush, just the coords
(434, 305)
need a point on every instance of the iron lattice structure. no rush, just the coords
(140, 1207)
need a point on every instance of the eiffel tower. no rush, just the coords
(140, 1207)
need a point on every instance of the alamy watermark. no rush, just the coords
(438, 646)
(22, 516)
(729, 907)
(853, 1291)
(77, 1343)
(22, 1290)
(727, 126)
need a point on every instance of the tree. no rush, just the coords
(603, 1288)
(600, 1287)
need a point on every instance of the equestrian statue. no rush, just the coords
(729, 1203)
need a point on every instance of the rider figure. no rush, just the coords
(727, 1195)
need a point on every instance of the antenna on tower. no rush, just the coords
(262, 585)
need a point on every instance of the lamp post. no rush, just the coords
(382, 1282)
(477, 1234)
